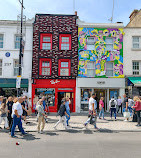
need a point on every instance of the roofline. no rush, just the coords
(101, 25)
(40, 14)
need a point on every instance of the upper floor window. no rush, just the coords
(91, 69)
(109, 44)
(109, 69)
(136, 42)
(46, 41)
(1, 41)
(90, 43)
(136, 67)
(64, 67)
(17, 42)
(16, 67)
(0, 67)
(45, 67)
(65, 42)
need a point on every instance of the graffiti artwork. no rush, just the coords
(108, 47)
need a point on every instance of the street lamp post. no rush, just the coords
(21, 42)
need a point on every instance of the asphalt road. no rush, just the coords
(72, 144)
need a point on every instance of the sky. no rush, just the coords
(92, 11)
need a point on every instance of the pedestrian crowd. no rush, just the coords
(15, 110)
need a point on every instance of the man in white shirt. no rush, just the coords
(92, 110)
(17, 113)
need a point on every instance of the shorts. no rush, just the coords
(24, 113)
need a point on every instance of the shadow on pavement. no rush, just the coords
(51, 133)
(104, 130)
(29, 137)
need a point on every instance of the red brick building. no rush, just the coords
(55, 58)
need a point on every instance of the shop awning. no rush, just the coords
(136, 81)
(11, 83)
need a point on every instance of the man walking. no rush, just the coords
(112, 107)
(92, 110)
(17, 113)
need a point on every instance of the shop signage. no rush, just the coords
(100, 82)
(18, 82)
(54, 81)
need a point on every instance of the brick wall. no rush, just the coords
(55, 24)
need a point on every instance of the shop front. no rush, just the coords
(102, 87)
(55, 90)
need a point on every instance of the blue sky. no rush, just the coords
(95, 11)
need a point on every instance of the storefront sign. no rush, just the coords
(54, 81)
(101, 82)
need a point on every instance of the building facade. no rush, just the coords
(9, 57)
(55, 58)
(100, 67)
(132, 54)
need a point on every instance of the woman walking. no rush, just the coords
(3, 114)
(119, 103)
(101, 108)
(9, 107)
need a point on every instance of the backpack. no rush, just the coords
(113, 104)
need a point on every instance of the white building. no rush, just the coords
(9, 56)
(100, 68)
(132, 54)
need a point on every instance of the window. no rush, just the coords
(46, 41)
(136, 68)
(136, 41)
(64, 67)
(65, 42)
(109, 69)
(45, 67)
(1, 41)
(17, 42)
(16, 67)
(109, 44)
(90, 43)
(91, 69)
(0, 67)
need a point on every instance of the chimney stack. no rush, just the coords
(76, 13)
(133, 14)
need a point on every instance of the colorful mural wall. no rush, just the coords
(100, 55)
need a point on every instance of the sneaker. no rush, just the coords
(54, 128)
(85, 125)
(25, 134)
(99, 118)
(14, 136)
(104, 119)
(96, 128)
(41, 132)
(115, 119)
(138, 125)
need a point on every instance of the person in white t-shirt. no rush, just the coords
(92, 110)
(17, 112)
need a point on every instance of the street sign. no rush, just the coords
(18, 82)
(7, 54)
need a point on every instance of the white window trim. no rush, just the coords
(110, 69)
(93, 43)
(136, 43)
(16, 67)
(110, 43)
(15, 41)
(94, 69)
(137, 70)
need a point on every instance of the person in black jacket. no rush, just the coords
(25, 108)
(9, 107)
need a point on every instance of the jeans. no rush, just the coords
(60, 120)
(113, 110)
(101, 113)
(119, 107)
(17, 121)
(68, 118)
(138, 117)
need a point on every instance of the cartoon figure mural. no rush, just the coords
(101, 53)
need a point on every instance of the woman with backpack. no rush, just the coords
(112, 107)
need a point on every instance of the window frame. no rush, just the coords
(16, 67)
(60, 41)
(136, 42)
(16, 41)
(109, 43)
(90, 44)
(136, 70)
(94, 69)
(40, 65)
(110, 69)
(1, 66)
(42, 35)
(2, 41)
(69, 66)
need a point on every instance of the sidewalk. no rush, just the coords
(77, 121)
